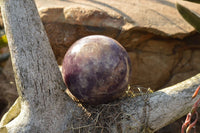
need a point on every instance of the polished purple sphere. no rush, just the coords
(96, 69)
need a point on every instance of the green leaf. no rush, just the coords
(194, 1)
(3, 41)
(189, 16)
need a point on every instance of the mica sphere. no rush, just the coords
(96, 69)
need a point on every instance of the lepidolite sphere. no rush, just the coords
(96, 69)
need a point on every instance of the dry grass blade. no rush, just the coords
(189, 16)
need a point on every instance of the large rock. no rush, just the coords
(136, 14)
(160, 43)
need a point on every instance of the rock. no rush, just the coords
(134, 14)
(66, 25)
(176, 78)
(92, 17)
(157, 38)
(62, 35)
(152, 68)
(183, 64)
(82, 15)
(96, 69)
(195, 61)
